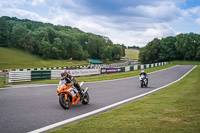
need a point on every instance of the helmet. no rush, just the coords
(63, 73)
(142, 71)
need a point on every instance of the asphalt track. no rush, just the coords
(25, 109)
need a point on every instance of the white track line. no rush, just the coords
(43, 129)
(27, 86)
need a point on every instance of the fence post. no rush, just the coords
(4, 77)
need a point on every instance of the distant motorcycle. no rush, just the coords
(143, 80)
(69, 95)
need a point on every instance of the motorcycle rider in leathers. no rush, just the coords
(70, 80)
(143, 73)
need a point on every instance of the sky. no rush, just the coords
(128, 22)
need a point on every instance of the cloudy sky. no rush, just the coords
(128, 22)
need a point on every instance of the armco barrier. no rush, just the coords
(40, 75)
(85, 72)
(21, 76)
(55, 74)
(131, 68)
(110, 70)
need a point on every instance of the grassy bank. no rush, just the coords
(12, 58)
(15, 59)
(175, 108)
(132, 53)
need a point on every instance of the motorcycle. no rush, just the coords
(143, 80)
(69, 95)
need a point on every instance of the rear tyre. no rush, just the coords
(86, 99)
(64, 103)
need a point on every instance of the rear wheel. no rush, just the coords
(86, 98)
(65, 103)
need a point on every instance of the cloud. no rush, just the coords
(22, 14)
(129, 22)
(36, 2)
(164, 12)
(195, 12)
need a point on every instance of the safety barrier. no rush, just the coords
(55, 74)
(19, 76)
(22, 76)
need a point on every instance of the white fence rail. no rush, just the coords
(19, 76)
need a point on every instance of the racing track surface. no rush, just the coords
(24, 109)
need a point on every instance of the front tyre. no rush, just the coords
(86, 98)
(146, 83)
(142, 83)
(65, 103)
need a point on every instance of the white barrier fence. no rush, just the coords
(21, 76)
(55, 74)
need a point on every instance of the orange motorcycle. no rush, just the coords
(69, 95)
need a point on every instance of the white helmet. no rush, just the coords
(142, 71)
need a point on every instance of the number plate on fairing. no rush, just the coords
(73, 91)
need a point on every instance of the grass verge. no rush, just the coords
(178, 62)
(12, 58)
(132, 53)
(175, 108)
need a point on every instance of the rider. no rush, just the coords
(143, 73)
(70, 80)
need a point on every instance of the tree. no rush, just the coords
(50, 41)
(29, 43)
(4, 33)
(45, 49)
(117, 52)
(18, 35)
(57, 49)
(186, 44)
(107, 53)
(167, 49)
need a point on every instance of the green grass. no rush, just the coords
(1, 82)
(174, 109)
(176, 62)
(131, 53)
(17, 59)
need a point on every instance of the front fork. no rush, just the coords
(65, 96)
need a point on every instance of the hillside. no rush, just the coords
(131, 53)
(12, 58)
(55, 41)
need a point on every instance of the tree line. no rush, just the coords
(134, 47)
(180, 47)
(55, 41)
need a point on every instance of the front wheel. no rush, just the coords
(142, 83)
(146, 83)
(64, 102)
(86, 98)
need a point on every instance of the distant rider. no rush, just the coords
(70, 80)
(142, 73)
